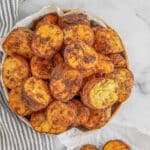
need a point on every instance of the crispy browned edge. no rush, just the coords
(129, 148)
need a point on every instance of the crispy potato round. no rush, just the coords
(50, 18)
(116, 144)
(107, 41)
(98, 118)
(47, 40)
(16, 102)
(103, 66)
(36, 93)
(89, 147)
(78, 32)
(65, 82)
(80, 56)
(125, 80)
(73, 19)
(118, 60)
(60, 116)
(15, 70)
(41, 68)
(82, 113)
(57, 59)
(19, 42)
(39, 122)
(99, 93)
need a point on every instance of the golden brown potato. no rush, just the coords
(98, 118)
(16, 102)
(107, 41)
(19, 42)
(125, 79)
(50, 18)
(36, 93)
(15, 70)
(82, 113)
(78, 32)
(65, 82)
(73, 19)
(117, 145)
(103, 66)
(60, 116)
(47, 41)
(118, 60)
(41, 68)
(57, 59)
(39, 122)
(99, 93)
(89, 147)
(80, 56)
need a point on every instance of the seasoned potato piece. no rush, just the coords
(117, 145)
(103, 66)
(107, 41)
(47, 40)
(41, 68)
(99, 93)
(50, 18)
(118, 60)
(16, 102)
(19, 42)
(15, 70)
(39, 122)
(65, 82)
(73, 19)
(89, 147)
(57, 59)
(36, 93)
(78, 32)
(60, 116)
(125, 79)
(82, 113)
(98, 118)
(80, 56)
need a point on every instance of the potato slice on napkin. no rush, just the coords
(36, 93)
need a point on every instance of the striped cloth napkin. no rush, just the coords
(15, 134)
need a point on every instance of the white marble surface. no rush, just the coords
(132, 20)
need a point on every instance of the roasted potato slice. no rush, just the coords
(36, 93)
(117, 145)
(60, 116)
(80, 56)
(103, 66)
(107, 41)
(16, 102)
(65, 82)
(47, 41)
(41, 68)
(39, 121)
(78, 32)
(15, 70)
(50, 18)
(98, 118)
(82, 113)
(118, 60)
(99, 93)
(19, 42)
(89, 147)
(57, 59)
(125, 80)
(73, 19)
